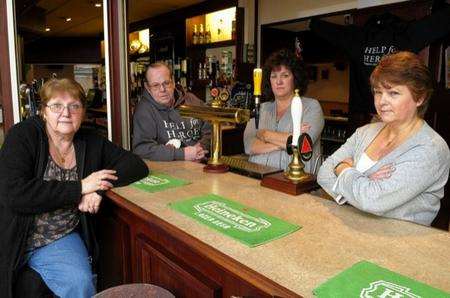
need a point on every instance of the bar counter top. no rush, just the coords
(332, 237)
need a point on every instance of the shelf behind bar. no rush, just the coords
(336, 140)
(218, 44)
(336, 118)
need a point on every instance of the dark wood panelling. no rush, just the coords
(115, 248)
(159, 267)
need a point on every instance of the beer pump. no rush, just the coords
(217, 114)
(294, 180)
(257, 80)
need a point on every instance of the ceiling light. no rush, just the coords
(47, 29)
(68, 19)
(98, 4)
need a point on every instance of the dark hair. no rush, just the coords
(405, 68)
(157, 65)
(285, 58)
(57, 86)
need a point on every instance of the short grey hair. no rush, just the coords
(158, 64)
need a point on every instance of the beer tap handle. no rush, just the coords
(296, 113)
(257, 80)
(30, 92)
(256, 113)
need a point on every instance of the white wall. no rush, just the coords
(249, 20)
(271, 11)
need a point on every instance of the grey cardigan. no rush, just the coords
(312, 114)
(413, 191)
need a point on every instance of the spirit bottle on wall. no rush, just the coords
(201, 36)
(207, 35)
(195, 35)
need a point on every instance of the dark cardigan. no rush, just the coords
(24, 193)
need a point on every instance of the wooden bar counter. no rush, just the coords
(142, 240)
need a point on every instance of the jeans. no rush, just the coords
(64, 266)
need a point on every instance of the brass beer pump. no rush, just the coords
(294, 180)
(217, 114)
(294, 171)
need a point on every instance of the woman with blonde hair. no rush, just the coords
(52, 175)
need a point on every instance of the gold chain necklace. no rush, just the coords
(62, 157)
(398, 140)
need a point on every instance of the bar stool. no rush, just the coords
(135, 290)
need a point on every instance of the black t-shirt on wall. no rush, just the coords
(380, 35)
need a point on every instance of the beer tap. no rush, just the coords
(257, 79)
(30, 93)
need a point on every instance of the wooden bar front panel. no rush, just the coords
(137, 247)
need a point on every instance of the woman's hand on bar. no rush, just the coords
(98, 181)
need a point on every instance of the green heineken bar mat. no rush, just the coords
(246, 225)
(158, 182)
(367, 280)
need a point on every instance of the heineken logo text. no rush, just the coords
(385, 289)
(153, 181)
(224, 216)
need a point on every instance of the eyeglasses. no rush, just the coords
(157, 86)
(59, 107)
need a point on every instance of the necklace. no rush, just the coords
(63, 157)
(393, 143)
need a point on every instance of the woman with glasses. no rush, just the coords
(282, 74)
(52, 175)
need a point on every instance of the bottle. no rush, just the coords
(230, 64)
(210, 61)
(205, 70)
(200, 71)
(224, 62)
(220, 29)
(217, 72)
(207, 35)
(201, 36)
(184, 66)
(213, 74)
(233, 29)
(183, 73)
(195, 35)
(189, 73)
(177, 70)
